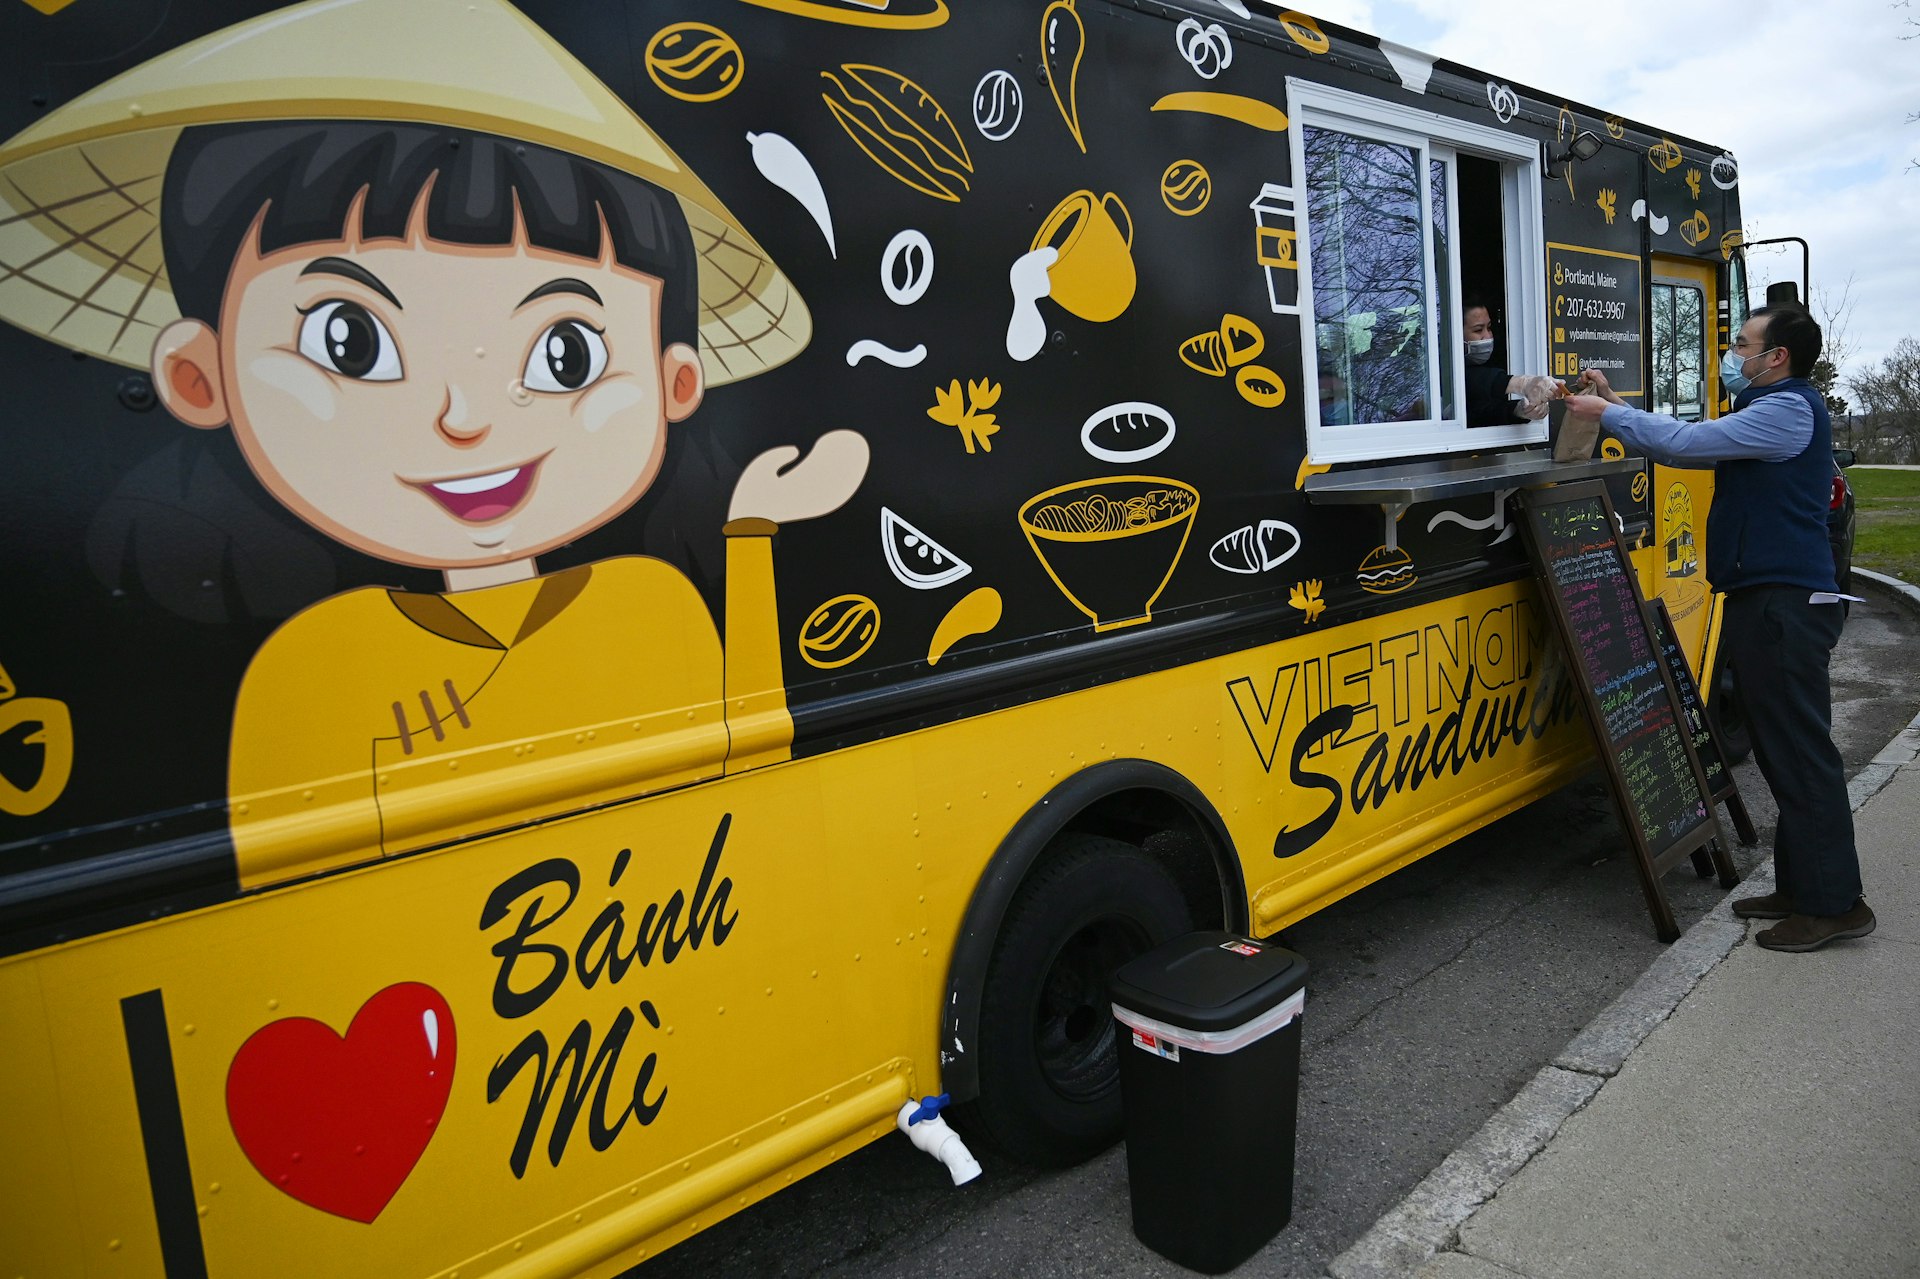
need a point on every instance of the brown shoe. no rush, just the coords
(1811, 932)
(1772, 906)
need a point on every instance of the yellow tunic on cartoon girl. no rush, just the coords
(449, 326)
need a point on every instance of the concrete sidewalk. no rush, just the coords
(1739, 1112)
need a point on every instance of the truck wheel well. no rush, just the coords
(1175, 836)
(1144, 804)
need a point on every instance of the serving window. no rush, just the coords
(1395, 200)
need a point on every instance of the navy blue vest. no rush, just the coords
(1768, 523)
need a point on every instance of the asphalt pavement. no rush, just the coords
(1737, 1112)
(1438, 996)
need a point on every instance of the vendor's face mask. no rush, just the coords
(1480, 352)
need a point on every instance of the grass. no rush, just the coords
(1887, 515)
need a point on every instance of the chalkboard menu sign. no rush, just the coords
(1634, 707)
(1706, 742)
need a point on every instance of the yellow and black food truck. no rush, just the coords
(598, 596)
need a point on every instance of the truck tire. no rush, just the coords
(1049, 1065)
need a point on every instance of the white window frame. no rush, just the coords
(1523, 234)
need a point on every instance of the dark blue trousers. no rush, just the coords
(1779, 645)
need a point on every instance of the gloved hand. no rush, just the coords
(1537, 391)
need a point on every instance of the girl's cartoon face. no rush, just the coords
(438, 405)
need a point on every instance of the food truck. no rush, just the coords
(602, 597)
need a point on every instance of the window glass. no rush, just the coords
(1367, 207)
(1679, 351)
(1443, 284)
(1736, 293)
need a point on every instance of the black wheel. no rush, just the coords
(1049, 1067)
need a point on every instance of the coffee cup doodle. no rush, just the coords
(1093, 274)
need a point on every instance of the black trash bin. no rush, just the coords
(1209, 1035)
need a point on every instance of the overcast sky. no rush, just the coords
(1813, 101)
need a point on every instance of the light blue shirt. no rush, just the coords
(1773, 428)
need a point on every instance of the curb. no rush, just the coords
(1408, 1235)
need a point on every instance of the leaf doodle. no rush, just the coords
(1305, 596)
(966, 411)
(1606, 203)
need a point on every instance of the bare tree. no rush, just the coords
(1889, 397)
(1912, 33)
(1835, 314)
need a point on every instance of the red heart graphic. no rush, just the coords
(339, 1123)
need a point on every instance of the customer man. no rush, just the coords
(1767, 549)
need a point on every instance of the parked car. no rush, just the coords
(1840, 520)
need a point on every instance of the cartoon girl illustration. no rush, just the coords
(452, 310)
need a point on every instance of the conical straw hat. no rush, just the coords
(80, 255)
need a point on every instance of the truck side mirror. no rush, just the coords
(1843, 458)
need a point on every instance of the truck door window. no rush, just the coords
(1679, 350)
(1381, 245)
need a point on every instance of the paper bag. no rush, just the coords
(1573, 436)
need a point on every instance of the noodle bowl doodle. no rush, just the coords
(1097, 514)
(1111, 544)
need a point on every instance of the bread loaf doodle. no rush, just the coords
(1305, 32)
(1241, 338)
(1260, 387)
(1205, 353)
(1130, 432)
(1256, 548)
(901, 128)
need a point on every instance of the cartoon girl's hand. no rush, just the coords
(782, 486)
